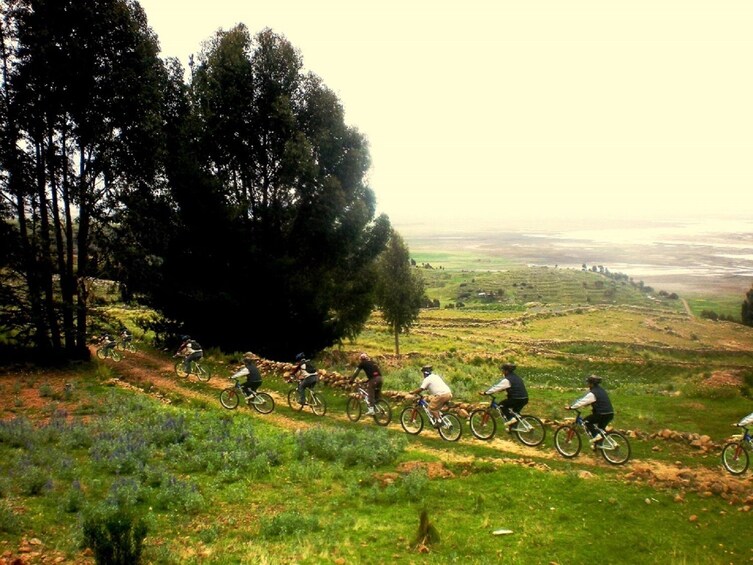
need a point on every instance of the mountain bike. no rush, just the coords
(528, 429)
(412, 417)
(125, 344)
(735, 456)
(195, 368)
(313, 399)
(355, 407)
(615, 447)
(105, 351)
(230, 398)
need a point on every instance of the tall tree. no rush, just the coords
(400, 291)
(747, 308)
(81, 128)
(276, 238)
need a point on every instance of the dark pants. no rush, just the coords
(374, 389)
(516, 404)
(303, 384)
(600, 420)
(250, 386)
(195, 356)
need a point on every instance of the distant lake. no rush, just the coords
(679, 255)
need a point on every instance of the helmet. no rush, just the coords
(185, 337)
(427, 369)
(300, 357)
(593, 380)
(248, 355)
(363, 356)
(508, 367)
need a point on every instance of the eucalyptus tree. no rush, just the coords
(81, 129)
(277, 235)
(401, 290)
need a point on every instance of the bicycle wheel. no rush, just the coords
(318, 403)
(180, 369)
(735, 458)
(617, 450)
(293, 400)
(263, 403)
(130, 347)
(382, 412)
(353, 409)
(451, 427)
(530, 431)
(202, 372)
(101, 353)
(567, 441)
(412, 420)
(483, 424)
(120, 346)
(229, 398)
(115, 355)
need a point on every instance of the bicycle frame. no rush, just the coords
(606, 443)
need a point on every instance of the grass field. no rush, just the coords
(130, 441)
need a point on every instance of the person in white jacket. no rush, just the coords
(440, 393)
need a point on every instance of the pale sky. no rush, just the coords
(508, 110)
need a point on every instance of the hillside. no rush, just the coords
(290, 487)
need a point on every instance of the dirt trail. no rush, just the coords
(156, 375)
(153, 374)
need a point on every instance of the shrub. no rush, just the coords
(74, 499)
(371, 448)
(10, 522)
(175, 494)
(290, 523)
(115, 535)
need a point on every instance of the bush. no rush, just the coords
(371, 448)
(115, 535)
(10, 522)
(290, 523)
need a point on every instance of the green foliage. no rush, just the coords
(10, 521)
(290, 524)
(350, 447)
(115, 535)
(400, 288)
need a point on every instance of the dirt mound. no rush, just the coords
(720, 379)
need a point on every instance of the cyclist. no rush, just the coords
(107, 343)
(373, 380)
(437, 388)
(251, 372)
(125, 337)
(308, 378)
(602, 411)
(517, 395)
(191, 350)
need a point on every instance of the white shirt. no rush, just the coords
(747, 420)
(504, 384)
(589, 398)
(434, 385)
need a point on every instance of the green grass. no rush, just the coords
(239, 487)
(232, 487)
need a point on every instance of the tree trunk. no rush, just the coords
(84, 219)
(66, 286)
(397, 340)
(45, 253)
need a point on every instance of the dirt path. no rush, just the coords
(155, 375)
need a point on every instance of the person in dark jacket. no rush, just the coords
(251, 372)
(306, 374)
(602, 411)
(517, 395)
(373, 380)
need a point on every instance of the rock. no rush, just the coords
(693, 518)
